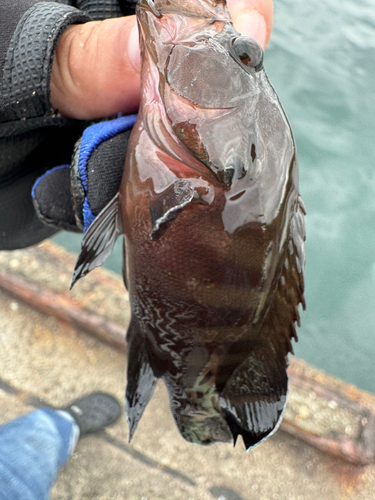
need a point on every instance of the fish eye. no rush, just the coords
(249, 52)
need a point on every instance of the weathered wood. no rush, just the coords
(333, 416)
(64, 308)
(324, 411)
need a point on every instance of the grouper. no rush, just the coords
(213, 228)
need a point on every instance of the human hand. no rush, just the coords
(96, 69)
(252, 18)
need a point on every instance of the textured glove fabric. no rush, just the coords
(127, 7)
(19, 224)
(32, 137)
(103, 9)
(52, 210)
(28, 63)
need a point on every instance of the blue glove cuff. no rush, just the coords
(42, 178)
(70, 197)
(92, 137)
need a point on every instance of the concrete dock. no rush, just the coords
(57, 345)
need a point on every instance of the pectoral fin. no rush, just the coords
(168, 205)
(99, 239)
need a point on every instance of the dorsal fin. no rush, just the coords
(99, 239)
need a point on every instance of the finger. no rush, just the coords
(95, 72)
(253, 18)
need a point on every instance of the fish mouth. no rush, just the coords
(199, 417)
(224, 421)
(250, 403)
(204, 430)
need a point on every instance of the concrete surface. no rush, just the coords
(42, 358)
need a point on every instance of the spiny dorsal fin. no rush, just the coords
(99, 239)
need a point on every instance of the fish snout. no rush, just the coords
(199, 417)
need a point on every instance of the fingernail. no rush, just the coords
(133, 49)
(251, 23)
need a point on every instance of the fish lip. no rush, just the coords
(149, 6)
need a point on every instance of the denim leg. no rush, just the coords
(32, 448)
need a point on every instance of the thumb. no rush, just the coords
(96, 70)
(252, 18)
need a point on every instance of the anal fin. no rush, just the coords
(99, 239)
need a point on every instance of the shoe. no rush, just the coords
(94, 412)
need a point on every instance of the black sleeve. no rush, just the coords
(99, 9)
(33, 138)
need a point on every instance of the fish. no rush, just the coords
(213, 228)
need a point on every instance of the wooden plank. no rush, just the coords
(334, 416)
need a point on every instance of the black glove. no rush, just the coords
(19, 169)
(71, 196)
(127, 7)
(33, 138)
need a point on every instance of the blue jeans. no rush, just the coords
(32, 448)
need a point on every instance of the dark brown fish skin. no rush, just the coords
(215, 287)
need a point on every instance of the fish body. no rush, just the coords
(213, 226)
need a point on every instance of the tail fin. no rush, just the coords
(254, 398)
(141, 378)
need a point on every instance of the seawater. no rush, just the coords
(321, 61)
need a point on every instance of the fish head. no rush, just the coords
(214, 94)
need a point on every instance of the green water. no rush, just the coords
(321, 60)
